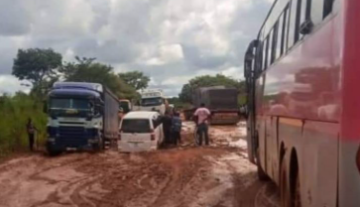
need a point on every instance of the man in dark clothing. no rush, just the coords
(176, 125)
(30, 128)
(166, 120)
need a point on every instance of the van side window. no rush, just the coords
(156, 121)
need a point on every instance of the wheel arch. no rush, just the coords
(293, 169)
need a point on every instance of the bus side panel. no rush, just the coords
(262, 141)
(318, 160)
(349, 174)
(272, 164)
(260, 121)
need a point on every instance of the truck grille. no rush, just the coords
(72, 132)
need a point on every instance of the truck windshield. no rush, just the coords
(135, 126)
(152, 101)
(62, 103)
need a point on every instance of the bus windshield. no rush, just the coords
(157, 101)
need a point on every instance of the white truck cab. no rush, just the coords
(153, 100)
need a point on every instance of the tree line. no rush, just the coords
(43, 67)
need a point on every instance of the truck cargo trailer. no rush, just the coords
(221, 101)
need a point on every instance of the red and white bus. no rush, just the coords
(303, 79)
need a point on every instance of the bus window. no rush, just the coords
(280, 37)
(328, 5)
(320, 9)
(264, 56)
(317, 11)
(306, 9)
(297, 20)
(292, 23)
(269, 48)
(286, 25)
(274, 42)
(259, 59)
(294, 27)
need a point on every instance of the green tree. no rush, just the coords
(39, 66)
(135, 79)
(87, 70)
(207, 81)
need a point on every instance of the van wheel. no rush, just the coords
(285, 195)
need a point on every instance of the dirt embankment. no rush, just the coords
(186, 176)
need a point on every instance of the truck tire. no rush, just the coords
(53, 152)
(99, 146)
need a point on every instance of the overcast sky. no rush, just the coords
(169, 40)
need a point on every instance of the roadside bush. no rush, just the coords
(14, 114)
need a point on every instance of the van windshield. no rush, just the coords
(136, 126)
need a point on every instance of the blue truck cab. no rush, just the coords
(81, 116)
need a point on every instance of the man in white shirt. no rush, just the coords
(203, 115)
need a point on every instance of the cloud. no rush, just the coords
(9, 84)
(169, 40)
(14, 18)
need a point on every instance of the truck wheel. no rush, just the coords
(99, 146)
(53, 152)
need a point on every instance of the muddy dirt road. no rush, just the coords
(216, 176)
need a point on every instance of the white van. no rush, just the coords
(140, 131)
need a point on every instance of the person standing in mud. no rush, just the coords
(176, 125)
(30, 128)
(166, 121)
(202, 116)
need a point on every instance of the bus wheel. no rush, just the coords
(297, 195)
(285, 195)
(262, 176)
